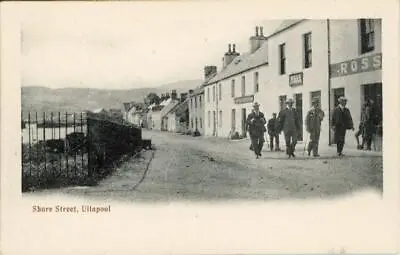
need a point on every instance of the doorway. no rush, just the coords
(299, 108)
(244, 117)
(233, 126)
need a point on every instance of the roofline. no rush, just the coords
(286, 28)
(245, 70)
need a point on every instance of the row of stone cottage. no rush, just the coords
(302, 60)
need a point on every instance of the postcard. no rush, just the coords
(199, 127)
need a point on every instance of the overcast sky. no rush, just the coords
(130, 45)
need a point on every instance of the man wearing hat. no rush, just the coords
(289, 122)
(341, 121)
(313, 126)
(256, 124)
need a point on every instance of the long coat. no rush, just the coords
(289, 121)
(341, 119)
(256, 124)
(313, 120)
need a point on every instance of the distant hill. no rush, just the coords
(43, 99)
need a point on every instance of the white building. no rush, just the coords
(230, 94)
(356, 64)
(294, 62)
(196, 102)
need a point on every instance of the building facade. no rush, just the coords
(196, 102)
(229, 96)
(301, 60)
(356, 65)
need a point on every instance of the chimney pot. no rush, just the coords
(229, 48)
(257, 31)
(261, 31)
(234, 50)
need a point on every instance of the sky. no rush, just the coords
(130, 45)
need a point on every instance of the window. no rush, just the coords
(220, 92)
(315, 95)
(256, 87)
(282, 57)
(213, 94)
(209, 119)
(191, 122)
(233, 119)
(208, 94)
(307, 50)
(196, 123)
(195, 102)
(233, 88)
(201, 123)
(191, 103)
(220, 119)
(200, 101)
(367, 35)
(243, 85)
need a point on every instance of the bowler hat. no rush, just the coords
(342, 98)
(289, 101)
(256, 104)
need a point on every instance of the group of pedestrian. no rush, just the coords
(289, 122)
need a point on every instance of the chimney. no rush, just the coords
(229, 56)
(174, 95)
(191, 91)
(167, 95)
(209, 71)
(257, 40)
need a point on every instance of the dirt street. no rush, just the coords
(215, 169)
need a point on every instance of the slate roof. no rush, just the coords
(285, 25)
(168, 107)
(242, 63)
(247, 61)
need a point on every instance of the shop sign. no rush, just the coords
(358, 65)
(244, 99)
(296, 79)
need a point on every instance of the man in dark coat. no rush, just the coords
(256, 123)
(313, 125)
(370, 123)
(341, 121)
(273, 133)
(289, 122)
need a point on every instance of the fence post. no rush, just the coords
(59, 137)
(89, 142)
(44, 142)
(66, 142)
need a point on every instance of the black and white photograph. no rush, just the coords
(150, 104)
(278, 109)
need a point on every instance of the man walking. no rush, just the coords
(273, 133)
(313, 126)
(289, 122)
(341, 121)
(256, 123)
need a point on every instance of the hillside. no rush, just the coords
(48, 100)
